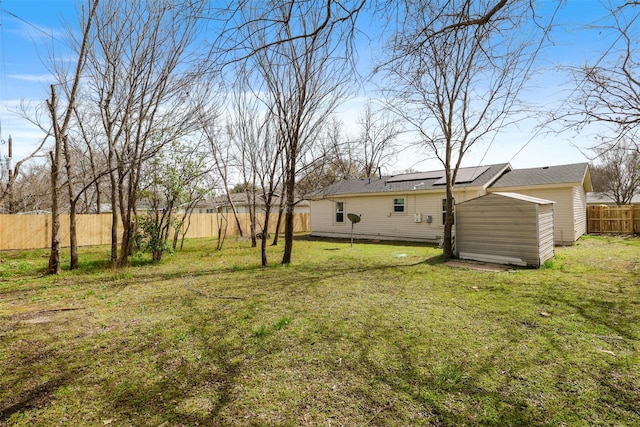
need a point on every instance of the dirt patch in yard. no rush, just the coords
(479, 266)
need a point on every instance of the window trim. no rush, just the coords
(337, 212)
(403, 205)
(444, 210)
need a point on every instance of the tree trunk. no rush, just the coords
(98, 198)
(223, 223)
(125, 244)
(289, 217)
(73, 237)
(252, 218)
(265, 232)
(114, 209)
(73, 240)
(54, 257)
(448, 224)
(235, 215)
(279, 223)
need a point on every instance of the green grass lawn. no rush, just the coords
(369, 335)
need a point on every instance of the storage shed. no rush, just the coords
(505, 228)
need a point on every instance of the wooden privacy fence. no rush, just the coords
(34, 231)
(613, 219)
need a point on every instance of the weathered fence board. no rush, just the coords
(34, 231)
(613, 219)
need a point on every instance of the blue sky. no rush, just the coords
(29, 28)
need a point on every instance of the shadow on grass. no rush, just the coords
(189, 392)
(299, 275)
(36, 397)
(607, 314)
(435, 384)
(309, 238)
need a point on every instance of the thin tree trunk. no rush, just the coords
(265, 233)
(60, 133)
(73, 237)
(251, 199)
(73, 240)
(54, 257)
(279, 223)
(289, 217)
(114, 210)
(448, 224)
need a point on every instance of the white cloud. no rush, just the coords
(45, 78)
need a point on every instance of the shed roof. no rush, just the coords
(549, 175)
(478, 176)
(525, 198)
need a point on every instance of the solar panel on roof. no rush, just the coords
(465, 175)
(416, 176)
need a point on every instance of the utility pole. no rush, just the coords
(10, 170)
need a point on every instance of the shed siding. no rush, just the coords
(563, 218)
(505, 229)
(579, 212)
(496, 227)
(545, 225)
(378, 219)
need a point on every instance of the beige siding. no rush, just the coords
(378, 219)
(579, 212)
(499, 229)
(563, 222)
(545, 232)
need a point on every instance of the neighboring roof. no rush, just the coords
(478, 176)
(594, 198)
(241, 199)
(549, 175)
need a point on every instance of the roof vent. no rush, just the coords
(545, 167)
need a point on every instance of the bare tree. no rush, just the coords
(32, 188)
(141, 81)
(617, 174)
(338, 157)
(60, 127)
(241, 29)
(607, 93)
(343, 156)
(455, 77)
(378, 135)
(302, 63)
(90, 158)
(10, 177)
(260, 149)
(222, 154)
(244, 132)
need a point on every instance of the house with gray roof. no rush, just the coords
(411, 206)
(399, 207)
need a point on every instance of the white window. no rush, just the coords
(444, 210)
(398, 205)
(340, 212)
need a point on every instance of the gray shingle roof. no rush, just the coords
(411, 182)
(563, 174)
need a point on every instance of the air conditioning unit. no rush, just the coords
(417, 217)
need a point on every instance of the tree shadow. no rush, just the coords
(216, 378)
